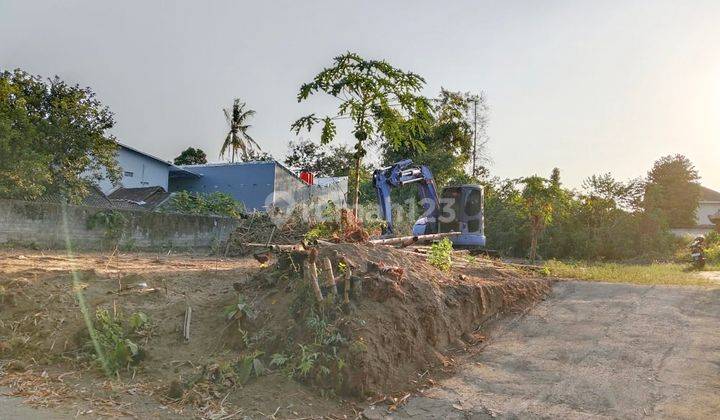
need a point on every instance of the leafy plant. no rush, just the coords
(217, 203)
(239, 310)
(249, 366)
(440, 254)
(139, 321)
(307, 359)
(278, 360)
(118, 350)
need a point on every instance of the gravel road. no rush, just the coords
(592, 350)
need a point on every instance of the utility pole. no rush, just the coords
(474, 100)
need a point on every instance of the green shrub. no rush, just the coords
(117, 348)
(712, 254)
(217, 203)
(440, 254)
(712, 238)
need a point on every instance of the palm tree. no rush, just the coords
(238, 141)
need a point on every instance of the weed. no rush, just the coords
(440, 255)
(278, 360)
(118, 349)
(139, 321)
(249, 366)
(307, 359)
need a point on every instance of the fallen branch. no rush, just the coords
(409, 240)
(186, 323)
(279, 247)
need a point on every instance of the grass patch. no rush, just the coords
(655, 273)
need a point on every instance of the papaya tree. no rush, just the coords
(381, 102)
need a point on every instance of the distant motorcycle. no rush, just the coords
(697, 253)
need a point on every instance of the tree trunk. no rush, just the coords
(533, 246)
(535, 232)
(356, 181)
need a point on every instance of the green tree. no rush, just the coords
(673, 191)
(381, 102)
(238, 141)
(322, 160)
(539, 196)
(191, 156)
(447, 143)
(626, 195)
(53, 138)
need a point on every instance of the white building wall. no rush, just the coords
(705, 209)
(137, 170)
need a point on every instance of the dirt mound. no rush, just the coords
(256, 335)
(407, 325)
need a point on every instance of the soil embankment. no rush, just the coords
(259, 343)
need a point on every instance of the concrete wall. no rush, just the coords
(250, 182)
(138, 170)
(41, 225)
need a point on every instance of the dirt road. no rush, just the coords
(592, 350)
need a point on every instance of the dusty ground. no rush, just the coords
(591, 350)
(400, 333)
(40, 319)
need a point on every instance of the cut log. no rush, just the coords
(310, 273)
(329, 278)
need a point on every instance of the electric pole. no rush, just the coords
(474, 100)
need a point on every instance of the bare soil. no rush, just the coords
(398, 333)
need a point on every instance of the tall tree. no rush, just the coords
(448, 141)
(539, 196)
(322, 160)
(625, 195)
(381, 102)
(53, 138)
(191, 156)
(672, 189)
(238, 141)
(476, 116)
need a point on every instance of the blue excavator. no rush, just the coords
(457, 209)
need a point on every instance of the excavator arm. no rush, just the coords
(401, 174)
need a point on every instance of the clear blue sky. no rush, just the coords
(588, 87)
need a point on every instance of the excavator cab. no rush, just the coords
(461, 210)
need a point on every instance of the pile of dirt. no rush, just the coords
(411, 323)
(257, 334)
